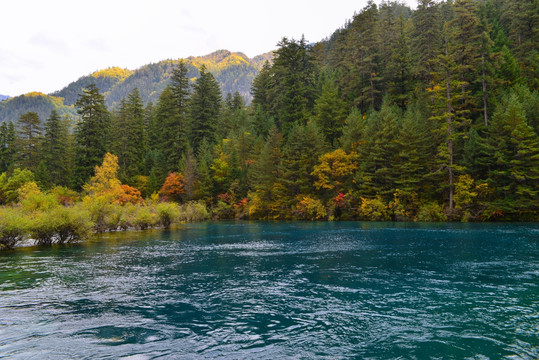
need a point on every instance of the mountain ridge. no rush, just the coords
(234, 71)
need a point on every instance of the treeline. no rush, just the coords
(426, 115)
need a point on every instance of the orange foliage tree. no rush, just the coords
(173, 188)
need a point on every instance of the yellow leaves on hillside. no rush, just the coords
(57, 101)
(113, 72)
(219, 60)
(334, 168)
(35, 94)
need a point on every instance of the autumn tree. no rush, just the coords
(172, 189)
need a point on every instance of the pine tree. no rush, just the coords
(465, 46)
(205, 106)
(128, 142)
(300, 154)
(55, 150)
(377, 175)
(292, 90)
(260, 89)
(172, 139)
(415, 152)
(514, 170)
(188, 167)
(7, 145)
(361, 85)
(330, 112)
(205, 188)
(28, 139)
(265, 177)
(91, 134)
(521, 20)
(426, 38)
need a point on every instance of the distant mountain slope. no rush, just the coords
(233, 70)
(103, 79)
(40, 103)
(3, 97)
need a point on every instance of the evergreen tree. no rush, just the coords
(7, 145)
(330, 112)
(172, 140)
(28, 139)
(304, 145)
(261, 88)
(205, 189)
(514, 170)
(379, 151)
(205, 106)
(188, 167)
(415, 151)
(55, 150)
(352, 134)
(521, 20)
(292, 90)
(265, 177)
(129, 138)
(426, 38)
(363, 86)
(91, 134)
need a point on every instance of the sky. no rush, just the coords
(46, 44)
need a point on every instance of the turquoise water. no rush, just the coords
(278, 290)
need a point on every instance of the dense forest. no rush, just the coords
(423, 115)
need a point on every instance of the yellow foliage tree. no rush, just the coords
(334, 168)
(105, 181)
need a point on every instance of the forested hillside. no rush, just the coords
(233, 71)
(424, 115)
(42, 104)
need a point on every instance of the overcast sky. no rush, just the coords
(46, 44)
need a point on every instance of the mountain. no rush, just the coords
(40, 103)
(233, 70)
(3, 97)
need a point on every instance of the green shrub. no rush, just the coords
(9, 185)
(223, 211)
(72, 223)
(43, 228)
(167, 213)
(193, 211)
(145, 218)
(374, 209)
(127, 218)
(431, 212)
(13, 227)
(310, 209)
(34, 200)
(101, 210)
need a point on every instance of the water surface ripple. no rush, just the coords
(278, 290)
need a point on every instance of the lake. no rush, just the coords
(278, 290)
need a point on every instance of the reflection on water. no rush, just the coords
(287, 290)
